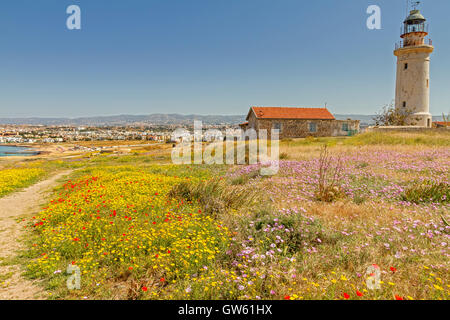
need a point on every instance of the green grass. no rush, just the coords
(426, 138)
(427, 191)
(312, 141)
(432, 138)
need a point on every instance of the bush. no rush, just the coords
(284, 156)
(330, 173)
(215, 196)
(427, 191)
(392, 116)
(244, 178)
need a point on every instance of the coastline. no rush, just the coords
(27, 150)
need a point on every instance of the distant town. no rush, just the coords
(30, 134)
(158, 127)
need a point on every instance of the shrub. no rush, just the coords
(284, 156)
(330, 173)
(392, 116)
(244, 178)
(427, 191)
(215, 196)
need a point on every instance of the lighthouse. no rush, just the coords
(412, 94)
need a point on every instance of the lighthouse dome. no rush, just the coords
(415, 17)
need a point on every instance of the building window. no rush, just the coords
(404, 104)
(406, 66)
(313, 127)
(277, 126)
(429, 123)
(345, 127)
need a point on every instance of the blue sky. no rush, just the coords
(206, 56)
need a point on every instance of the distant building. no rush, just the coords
(441, 124)
(299, 122)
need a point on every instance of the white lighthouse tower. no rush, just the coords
(413, 70)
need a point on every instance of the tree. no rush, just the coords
(392, 116)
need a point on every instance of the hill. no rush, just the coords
(158, 119)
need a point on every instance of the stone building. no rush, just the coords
(413, 70)
(299, 122)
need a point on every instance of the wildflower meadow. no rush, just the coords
(339, 222)
(16, 178)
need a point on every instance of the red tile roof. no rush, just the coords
(291, 113)
(442, 123)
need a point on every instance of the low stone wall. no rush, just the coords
(406, 129)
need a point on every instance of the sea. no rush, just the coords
(7, 151)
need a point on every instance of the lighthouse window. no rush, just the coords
(406, 66)
(404, 104)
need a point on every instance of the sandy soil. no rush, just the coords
(20, 205)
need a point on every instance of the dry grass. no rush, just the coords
(321, 249)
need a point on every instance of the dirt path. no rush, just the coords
(20, 204)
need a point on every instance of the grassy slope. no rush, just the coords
(347, 229)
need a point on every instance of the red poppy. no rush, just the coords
(287, 297)
(359, 293)
(346, 296)
(144, 289)
(162, 280)
(393, 269)
(130, 268)
(398, 297)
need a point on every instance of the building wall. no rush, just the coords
(301, 128)
(413, 83)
